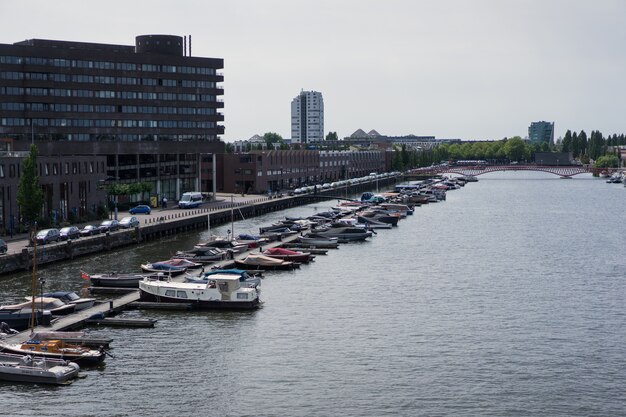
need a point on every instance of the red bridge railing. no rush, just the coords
(561, 171)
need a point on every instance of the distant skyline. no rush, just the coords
(480, 69)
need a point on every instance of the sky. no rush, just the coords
(467, 69)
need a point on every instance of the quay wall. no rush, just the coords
(169, 224)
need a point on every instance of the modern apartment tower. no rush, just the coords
(150, 111)
(541, 132)
(307, 117)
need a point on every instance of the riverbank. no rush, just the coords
(169, 222)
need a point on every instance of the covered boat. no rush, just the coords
(56, 349)
(54, 305)
(221, 292)
(182, 262)
(162, 267)
(259, 261)
(18, 316)
(26, 368)
(289, 255)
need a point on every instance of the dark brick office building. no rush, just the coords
(149, 111)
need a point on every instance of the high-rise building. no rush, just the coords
(150, 111)
(307, 117)
(541, 132)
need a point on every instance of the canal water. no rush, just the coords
(506, 299)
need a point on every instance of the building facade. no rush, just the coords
(279, 170)
(150, 109)
(541, 132)
(307, 117)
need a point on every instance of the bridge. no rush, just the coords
(566, 171)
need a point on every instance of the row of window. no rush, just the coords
(129, 95)
(90, 108)
(104, 65)
(47, 169)
(98, 79)
(103, 137)
(166, 124)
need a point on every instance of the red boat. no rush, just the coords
(289, 255)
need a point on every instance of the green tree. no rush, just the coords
(582, 143)
(515, 149)
(606, 161)
(29, 193)
(566, 143)
(575, 148)
(271, 138)
(229, 148)
(332, 136)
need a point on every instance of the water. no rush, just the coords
(507, 299)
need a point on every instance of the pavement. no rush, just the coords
(18, 242)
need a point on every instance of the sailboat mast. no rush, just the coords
(34, 280)
(232, 219)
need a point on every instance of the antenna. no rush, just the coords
(189, 45)
(184, 46)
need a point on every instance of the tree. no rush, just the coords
(515, 149)
(607, 161)
(566, 143)
(332, 136)
(575, 148)
(29, 193)
(271, 138)
(230, 148)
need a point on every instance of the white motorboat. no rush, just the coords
(221, 292)
(26, 368)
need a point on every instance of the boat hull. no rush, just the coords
(210, 305)
(18, 368)
(279, 267)
(80, 359)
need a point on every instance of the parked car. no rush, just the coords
(70, 232)
(140, 209)
(129, 222)
(90, 230)
(109, 226)
(47, 235)
(3, 246)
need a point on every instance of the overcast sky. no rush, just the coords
(469, 69)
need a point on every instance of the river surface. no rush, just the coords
(508, 299)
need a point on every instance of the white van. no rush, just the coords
(190, 200)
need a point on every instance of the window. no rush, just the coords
(242, 296)
(181, 294)
(170, 293)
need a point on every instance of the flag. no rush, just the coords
(84, 275)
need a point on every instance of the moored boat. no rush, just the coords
(245, 279)
(313, 239)
(26, 368)
(289, 255)
(260, 261)
(221, 292)
(71, 298)
(164, 268)
(347, 234)
(115, 280)
(182, 262)
(19, 316)
(56, 349)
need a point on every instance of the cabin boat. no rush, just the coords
(245, 279)
(260, 261)
(289, 255)
(26, 368)
(56, 349)
(221, 292)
